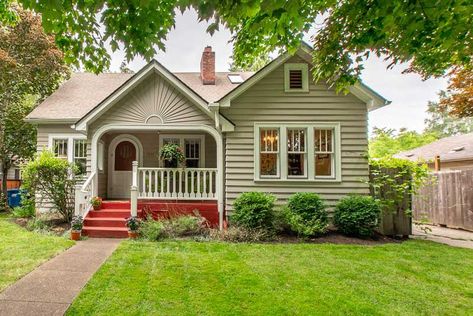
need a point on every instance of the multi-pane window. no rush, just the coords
(269, 152)
(192, 152)
(80, 154)
(296, 152)
(323, 152)
(60, 147)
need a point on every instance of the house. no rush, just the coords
(455, 153)
(275, 131)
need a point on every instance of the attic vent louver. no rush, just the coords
(295, 79)
(235, 78)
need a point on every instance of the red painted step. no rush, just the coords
(105, 232)
(105, 222)
(122, 213)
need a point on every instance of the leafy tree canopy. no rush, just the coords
(458, 99)
(31, 68)
(386, 142)
(444, 124)
(431, 35)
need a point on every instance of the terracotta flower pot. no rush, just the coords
(97, 207)
(132, 234)
(75, 234)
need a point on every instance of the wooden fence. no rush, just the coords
(447, 200)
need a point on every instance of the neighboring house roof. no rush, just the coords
(84, 91)
(452, 148)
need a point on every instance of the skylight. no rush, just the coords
(460, 148)
(235, 78)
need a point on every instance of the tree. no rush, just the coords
(386, 142)
(19, 136)
(443, 124)
(30, 65)
(458, 100)
(259, 63)
(431, 35)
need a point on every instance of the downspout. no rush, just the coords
(214, 107)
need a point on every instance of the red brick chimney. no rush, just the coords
(207, 66)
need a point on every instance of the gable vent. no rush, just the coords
(295, 79)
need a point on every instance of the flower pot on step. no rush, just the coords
(132, 234)
(97, 207)
(75, 234)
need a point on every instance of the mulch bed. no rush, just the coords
(56, 226)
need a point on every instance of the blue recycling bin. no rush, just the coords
(14, 197)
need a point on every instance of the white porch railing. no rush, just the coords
(177, 183)
(83, 194)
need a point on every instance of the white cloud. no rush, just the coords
(408, 92)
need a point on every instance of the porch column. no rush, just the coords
(134, 189)
(220, 180)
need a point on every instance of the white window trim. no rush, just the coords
(310, 152)
(305, 76)
(278, 167)
(70, 143)
(182, 138)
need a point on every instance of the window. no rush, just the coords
(323, 152)
(192, 152)
(297, 152)
(100, 156)
(192, 145)
(60, 147)
(71, 147)
(269, 152)
(296, 78)
(80, 155)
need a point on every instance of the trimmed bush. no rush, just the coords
(306, 214)
(254, 210)
(152, 230)
(357, 215)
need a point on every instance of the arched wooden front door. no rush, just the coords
(121, 157)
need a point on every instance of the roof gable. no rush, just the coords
(134, 81)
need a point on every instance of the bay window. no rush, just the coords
(297, 152)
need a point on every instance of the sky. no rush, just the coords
(408, 93)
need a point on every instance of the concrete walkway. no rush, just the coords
(51, 288)
(449, 236)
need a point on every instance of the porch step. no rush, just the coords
(105, 232)
(116, 205)
(107, 213)
(104, 222)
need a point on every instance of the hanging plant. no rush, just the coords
(172, 154)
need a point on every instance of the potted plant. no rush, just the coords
(172, 155)
(133, 224)
(96, 203)
(76, 227)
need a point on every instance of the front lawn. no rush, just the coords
(21, 251)
(191, 278)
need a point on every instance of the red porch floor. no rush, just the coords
(109, 222)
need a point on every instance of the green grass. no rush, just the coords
(21, 251)
(191, 278)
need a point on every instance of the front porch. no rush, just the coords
(130, 177)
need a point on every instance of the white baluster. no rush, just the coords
(198, 193)
(167, 183)
(174, 193)
(204, 193)
(211, 189)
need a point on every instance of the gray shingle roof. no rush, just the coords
(83, 91)
(458, 147)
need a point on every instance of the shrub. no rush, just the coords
(306, 214)
(38, 224)
(254, 210)
(54, 179)
(357, 215)
(133, 223)
(178, 226)
(241, 234)
(152, 230)
(26, 209)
